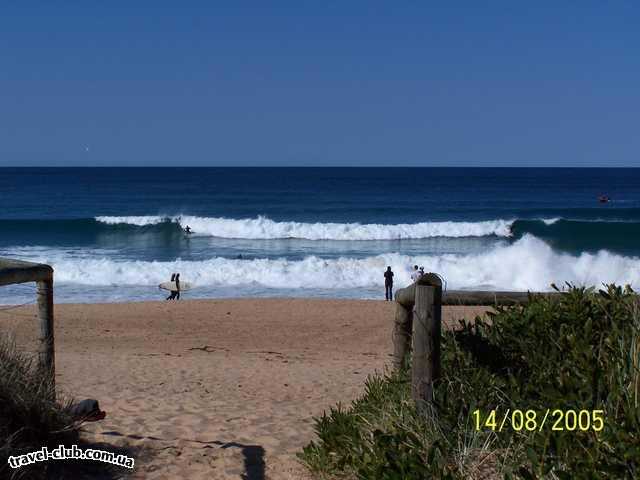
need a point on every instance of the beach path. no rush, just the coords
(216, 388)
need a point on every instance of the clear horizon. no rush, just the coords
(368, 84)
(435, 167)
(528, 167)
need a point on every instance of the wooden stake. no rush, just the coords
(401, 335)
(425, 369)
(46, 352)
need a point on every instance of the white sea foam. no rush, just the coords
(265, 228)
(139, 221)
(527, 264)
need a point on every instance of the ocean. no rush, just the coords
(113, 234)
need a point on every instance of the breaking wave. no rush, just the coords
(526, 264)
(265, 228)
(573, 236)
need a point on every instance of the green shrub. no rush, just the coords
(580, 351)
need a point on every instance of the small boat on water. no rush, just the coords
(604, 199)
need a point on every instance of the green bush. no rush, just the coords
(579, 351)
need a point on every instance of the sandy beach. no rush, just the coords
(216, 388)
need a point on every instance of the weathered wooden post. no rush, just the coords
(16, 271)
(46, 351)
(417, 327)
(427, 320)
(402, 326)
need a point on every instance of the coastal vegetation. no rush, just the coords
(30, 417)
(569, 365)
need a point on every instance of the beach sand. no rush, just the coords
(216, 388)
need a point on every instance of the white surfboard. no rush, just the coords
(171, 286)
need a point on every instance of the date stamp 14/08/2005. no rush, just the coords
(531, 420)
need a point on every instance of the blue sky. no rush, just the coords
(411, 83)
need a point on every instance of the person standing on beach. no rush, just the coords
(388, 285)
(415, 275)
(177, 297)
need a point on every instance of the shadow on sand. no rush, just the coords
(254, 466)
(254, 461)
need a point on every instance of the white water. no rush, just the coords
(265, 228)
(527, 264)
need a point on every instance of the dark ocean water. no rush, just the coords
(114, 234)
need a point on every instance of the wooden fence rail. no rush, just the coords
(15, 271)
(482, 298)
(418, 323)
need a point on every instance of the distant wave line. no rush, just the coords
(563, 233)
(265, 228)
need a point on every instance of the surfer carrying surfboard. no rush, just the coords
(175, 286)
(175, 294)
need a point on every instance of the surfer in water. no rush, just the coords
(187, 230)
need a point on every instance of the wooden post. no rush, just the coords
(402, 326)
(46, 352)
(425, 368)
(401, 335)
